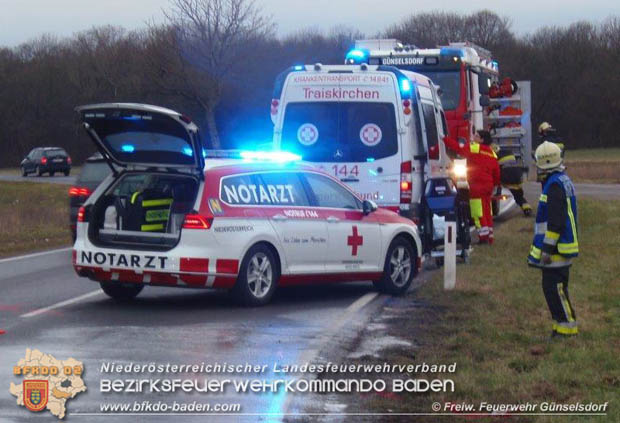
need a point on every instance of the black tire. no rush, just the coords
(257, 280)
(120, 291)
(38, 171)
(24, 173)
(52, 173)
(393, 281)
(67, 172)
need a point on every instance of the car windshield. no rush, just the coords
(94, 172)
(450, 84)
(340, 131)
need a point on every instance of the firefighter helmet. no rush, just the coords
(544, 127)
(548, 156)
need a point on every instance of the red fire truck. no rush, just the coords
(463, 71)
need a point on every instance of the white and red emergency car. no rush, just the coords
(248, 225)
(375, 128)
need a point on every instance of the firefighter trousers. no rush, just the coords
(555, 288)
(519, 196)
(481, 213)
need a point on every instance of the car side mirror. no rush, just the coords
(369, 207)
(485, 101)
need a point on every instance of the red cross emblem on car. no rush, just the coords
(355, 241)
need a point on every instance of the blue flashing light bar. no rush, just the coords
(298, 67)
(270, 156)
(356, 56)
(188, 151)
(452, 51)
(127, 148)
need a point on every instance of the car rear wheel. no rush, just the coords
(399, 268)
(52, 173)
(67, 172)
(257, 278)
(120, 291)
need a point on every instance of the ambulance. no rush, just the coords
(376, 128)
(172, 214)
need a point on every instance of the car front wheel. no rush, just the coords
(120, 291)
(399, 268)
(24, 173)
(39, 171)
(258, 276)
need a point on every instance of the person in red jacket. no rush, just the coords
(483, 178)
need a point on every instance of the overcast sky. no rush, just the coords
(21, 20)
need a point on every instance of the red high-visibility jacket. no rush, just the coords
(482, 166)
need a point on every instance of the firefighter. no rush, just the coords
(511, 177)
(483, 176)
(546, 132)
(555, 237)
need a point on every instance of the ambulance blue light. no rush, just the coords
(370, 159)
(298, 67)
(357, 53)
(127, 148)
(270, 156)
(188, 151)
(405, 85)
(356, 56)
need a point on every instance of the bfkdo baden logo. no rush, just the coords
(47, 383)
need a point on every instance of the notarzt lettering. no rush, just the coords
(122, 260)
(258, 194)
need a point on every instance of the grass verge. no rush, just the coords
(495, 326)
(595, 166)
(33, 217)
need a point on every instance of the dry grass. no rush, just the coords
(595, 166)
(33, 216)
(495, 326)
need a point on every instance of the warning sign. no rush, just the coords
(307, 134)
(371, 134)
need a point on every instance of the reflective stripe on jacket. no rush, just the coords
(563, 245)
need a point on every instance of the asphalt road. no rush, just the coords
(44, 305)
(57, 179)
(599, 191)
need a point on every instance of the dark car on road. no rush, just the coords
(94, 170)
(46, 160)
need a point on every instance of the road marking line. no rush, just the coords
(310, 354)
(62, 304)
(27, 256)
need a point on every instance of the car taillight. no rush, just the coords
(407, 107)
(406, 183)
(81, 214)
(274, 106)
(43, 160)
(196, 221)
(69, 160)
(79, 192)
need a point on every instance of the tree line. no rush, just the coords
(216, 61)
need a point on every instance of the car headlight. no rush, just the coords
(460, 170)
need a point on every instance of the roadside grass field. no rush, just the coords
(75, 170)
(495, 325)
(601, 165)
(33, 217)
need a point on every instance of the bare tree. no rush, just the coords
(204, 45)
